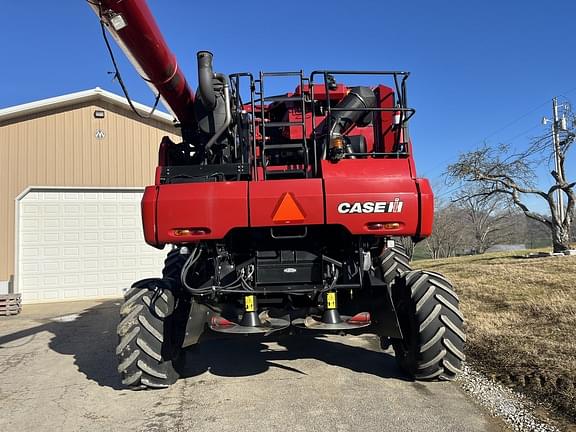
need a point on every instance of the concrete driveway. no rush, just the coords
(58, 373)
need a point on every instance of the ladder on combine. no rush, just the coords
(300, 166)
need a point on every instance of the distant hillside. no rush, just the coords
(518, 230)
(521, 320)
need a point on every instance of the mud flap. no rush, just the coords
(196, 324)
(384, 318)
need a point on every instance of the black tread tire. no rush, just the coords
(432, 326)
(147, 351)
(394, 262)
(173, 265)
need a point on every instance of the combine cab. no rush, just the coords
(282, 212)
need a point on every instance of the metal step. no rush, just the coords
(287, 146)
(282, 124)
(282, 99)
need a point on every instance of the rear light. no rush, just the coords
(185, 232)
(337, 142)
(377, 226)
(337, 148)
(391, 225)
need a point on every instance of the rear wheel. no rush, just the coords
(173, 265)
(432, 347)
(394, 262)
(150, 335)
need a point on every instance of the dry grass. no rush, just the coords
(521, 320)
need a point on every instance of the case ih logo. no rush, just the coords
(371, 207)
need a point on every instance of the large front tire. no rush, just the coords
(432, 347)
(149, 336)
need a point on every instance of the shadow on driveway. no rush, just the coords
(91, 339)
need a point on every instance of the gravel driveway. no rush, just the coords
(58, 373)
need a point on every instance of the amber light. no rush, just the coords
(376, 226)
(337, 142)
(181, 232)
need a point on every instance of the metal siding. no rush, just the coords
(60, 149)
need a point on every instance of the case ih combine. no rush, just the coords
(283, 211)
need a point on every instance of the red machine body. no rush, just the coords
(367, 196)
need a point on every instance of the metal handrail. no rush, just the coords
(236, 79)
(404, 112)
(400, 92)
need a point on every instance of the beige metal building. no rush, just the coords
(72, 171)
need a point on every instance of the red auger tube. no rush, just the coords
(134, 28)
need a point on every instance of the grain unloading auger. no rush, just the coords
(283, 211)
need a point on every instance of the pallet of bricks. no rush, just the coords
(10, 304)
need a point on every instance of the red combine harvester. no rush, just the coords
(283, 211)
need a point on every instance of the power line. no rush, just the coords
(516, 120)
(447, 193)
(444, 162)
(520, 134)
(450, 191)
(490, 135)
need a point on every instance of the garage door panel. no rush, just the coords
(90, 279)
(48, 223)
(74, 245)
(47, 267)
(91, 292)
(68, 237)
(72, 293)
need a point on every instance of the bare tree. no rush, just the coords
(500, 172)
(449, 231)
(408, 245)
(487, 218)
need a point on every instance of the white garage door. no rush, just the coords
(81, 244)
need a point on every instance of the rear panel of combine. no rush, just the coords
(288, 177)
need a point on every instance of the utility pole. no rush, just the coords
(557, 125)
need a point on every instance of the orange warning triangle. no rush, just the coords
(288, 210)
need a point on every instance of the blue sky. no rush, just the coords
(481, 70)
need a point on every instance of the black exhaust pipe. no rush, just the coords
(213, 111)
(205, 80)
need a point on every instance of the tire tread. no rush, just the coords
(433, 348)
(394, 262)
(141, 351)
